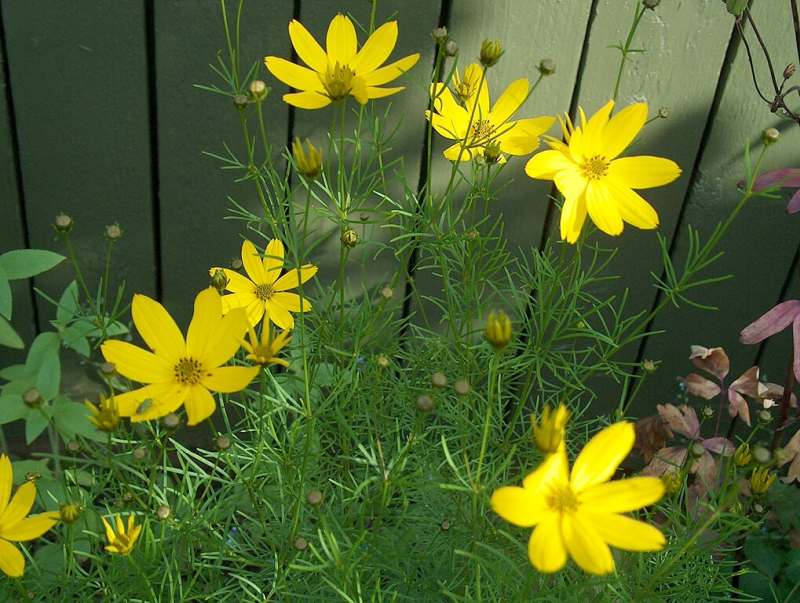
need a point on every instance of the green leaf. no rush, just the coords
(25, 263)
(8, 336)
(736, 7)
(67, 303)
(12, 408)
(5, 295)
(22, 468)
(792, 562)
(48, 379)
(34, 426)
(45, 344)
(15, 372)
(72, 418)
(763, 555)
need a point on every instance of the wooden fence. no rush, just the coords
(100, 119)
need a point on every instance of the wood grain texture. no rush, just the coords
(761, 244)
(79, 75)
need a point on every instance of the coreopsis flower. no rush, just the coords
(498, 329)
(776, 320)
(341, 70)
(180, 371)
(579, 514)
(122, 539)
(470, 120)
(548, 432)
(264, 290)
(588, 171)
(265, 351)
(104, 415)
(14, 525)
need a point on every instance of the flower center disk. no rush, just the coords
(187, 371)
(338, 81)
(595, 167)
(264, 292)
(562, 499)
(482, 129)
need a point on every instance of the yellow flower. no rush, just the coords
(580, 513)
(341, 70)
(266, 351)
(309, 164)
(761, 480)
(263, 291)
(180, 371)
(14, 525)
(548, 433)
(121, 541)
(104, 416)
(592, 179)
(475, 126)
(498, 329)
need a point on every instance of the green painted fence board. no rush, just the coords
(762, 241)
(79, 75)
(193, 188)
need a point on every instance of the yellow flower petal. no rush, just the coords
(163, 402)
(279, 315)
(585, 545)
(458, 152)
(306, 47)
(273, 260)
(546, 549)
(199, 405)
(129, 403)
(291, 302)
(593, 131)
(473, 74)
(509, 102)
(11, 560)
(390, 72)
(157, 328)
(6, 480)
(623, 128)
(573, 215)
(554, 471)
(205, 324)
(375, 92)
(443, 101)
(255, 311)
(624, 532)
(602, 209)
(514, 140)
(30, 527)
(295, 277)
(251, 260)
(621, 496)
(291, 74)
(341, 41)
(229, 379)
(135, 363)
(110, 536)
(600, 458)
(643, 171)
(452, 126)
(307, 100)
(520, 506)
(222, 342)
(376, 49)
(632, 208)
(547, 164)
(237, 283)
(20, 505)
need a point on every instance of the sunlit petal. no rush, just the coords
(600, 458)
(624, 532)
(376, 49)
(546, 549)
(306, 47)
(135, 363)
(341, 41)
(293, 75)
(157, 328)
(643, 171)
(621, 496)
(585, 545)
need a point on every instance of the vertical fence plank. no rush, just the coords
(194, 189)
(762, 241)
(78, 71)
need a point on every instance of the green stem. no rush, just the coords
(626, 49)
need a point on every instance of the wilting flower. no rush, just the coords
(121, 540)
(683, 420)
(593, 180)
(264, 292)
(580, 513)
(265, 351)
(180, 371)
(776, 320)
(475, 126)
(548, 433)
(341, 69)
(14, 525)
(784, 178)
(105, 415)
(761, 480)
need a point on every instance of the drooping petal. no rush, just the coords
(697, 385)
(585, 545)
(376, 49)
(20, 504)
(509, 102)
(229, 379)
(546, 549)
(622, 495)
(520, 506)
(632, 208)
(545, 165)
(306, 47)
(157, 328)
(135, 363)
(293, 75)
(199, 405)
(251, 260)
(6, 481)
(390, 72)
(602, 208)
(643, 171)
(774, 321)
(623, 128)
(279, 315)
(601, 456)
(273, 260)
(237, 283)
(625, 532)
(375, 92)
(30, 527)
(573, 215)
(295, 277)
(747, 383)
(11, 560)
(291, 302)
(341, 41)
(306, 100)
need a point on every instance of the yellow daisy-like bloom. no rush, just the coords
(180, 371)
(548, 433)
(579, 513)
(121, 540)
(105, 415)
(341, 70)
(265, 351)
(588, 172)
(475, 125)
(14, 525)
(266, 291)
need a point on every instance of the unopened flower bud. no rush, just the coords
(770, 136)
(782, 456)
(424, 403)
(439, 35)
(491, 153)
(127, 497)
(663, 112)
(498, 329)
(451, 48)
(708, 412)
(382, 360)
(219, 280)
(314, 498)
(308, 159)
(363, 216)
(73, 446)
(171, 421)
(300, 543)
(649, 366)
(163, 512)
(222, 442)
(387, 293)
(349, 238)
(472, 234)
(240, 101)
(236, 264)
(761, 455)
(491, 51)
(462, 387)
(445, 525)
(548, 432)
(788, 71)
(697, 449)
(139, 453)
(113, 232)
(438, 380)
(63, 223)
(107, 369)
(764, 416)
(761, 480)
(69, 512)
(547, 67)
(32, 398)
(651, 4)
(742, 456)
(258, 90)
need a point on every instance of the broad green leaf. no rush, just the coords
(791, 561)
(48, 379)
(8, 336)
(5, 295)
(25, 263)
(34, 426)
(22, 468)
(763, 555)
(72, 418)
(12, 408)
(68, 303)
(45, 344)
(14, 372)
